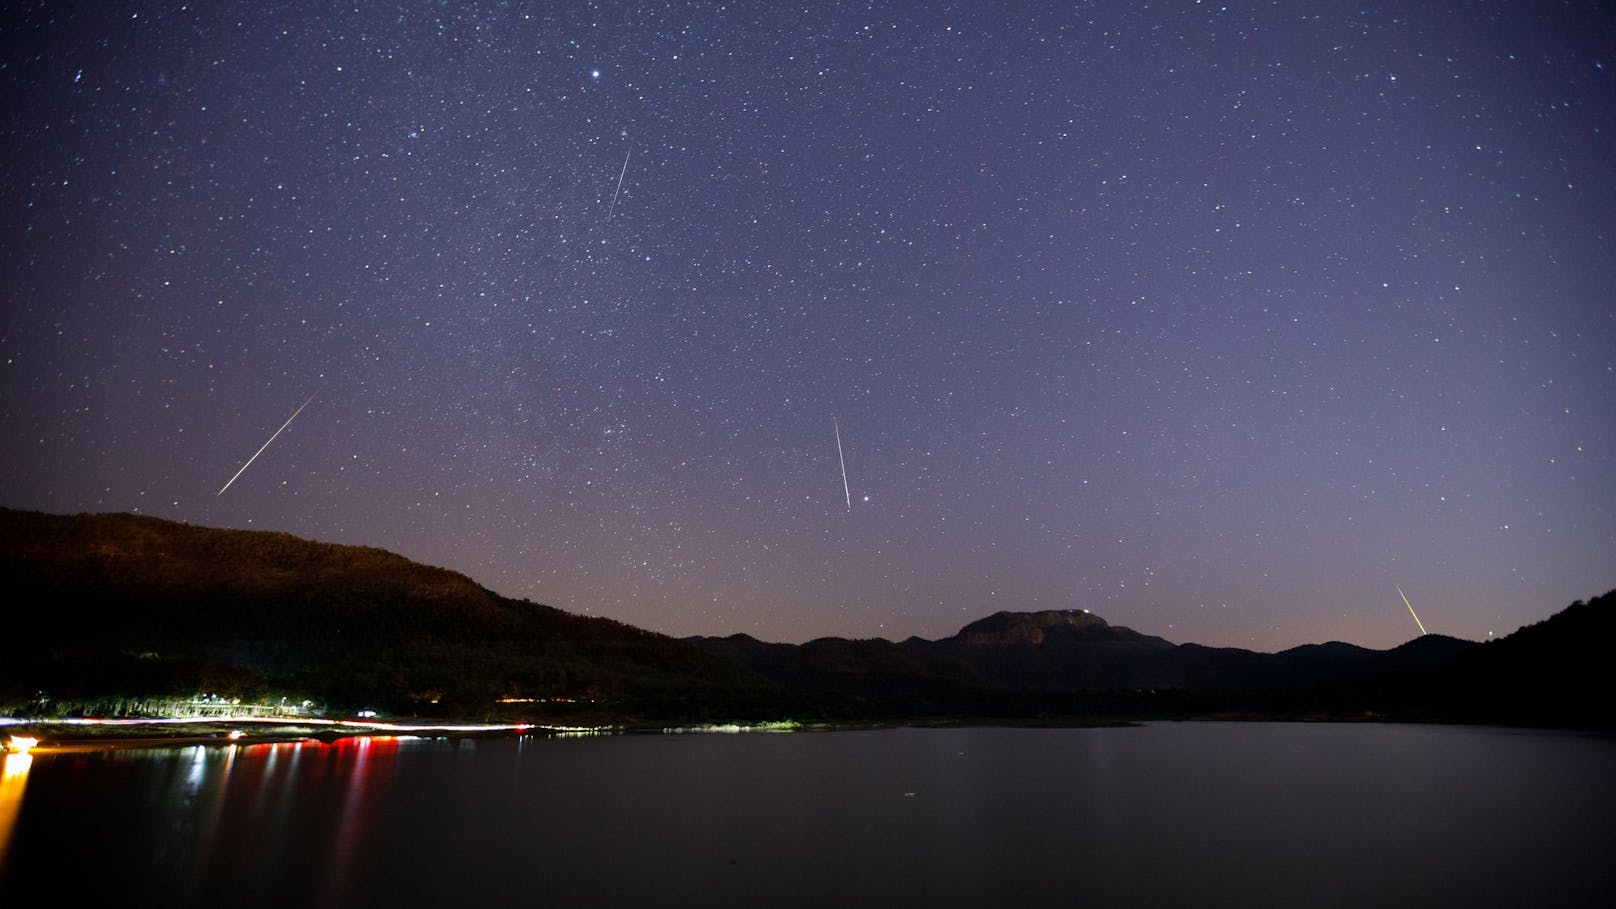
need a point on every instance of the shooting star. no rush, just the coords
(846, 493)
(1411, 610)
(266, 445)
(621, 174)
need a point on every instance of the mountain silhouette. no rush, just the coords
(104, 610)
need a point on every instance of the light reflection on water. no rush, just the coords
(208, 816)
(13, 778)
(367, 770)
(1166, 814)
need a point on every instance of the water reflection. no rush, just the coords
(13, 778)
(1170, 814)
(270, 790)
(366, 764)
(206, 820)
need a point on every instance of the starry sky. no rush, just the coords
(1220, 320)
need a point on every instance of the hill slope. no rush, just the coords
(109, 604)
(1556, 672)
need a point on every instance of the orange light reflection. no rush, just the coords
(13, 778)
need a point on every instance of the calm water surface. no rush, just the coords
(1166, 814)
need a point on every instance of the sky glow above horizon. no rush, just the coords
(1221, 320)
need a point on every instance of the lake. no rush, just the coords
(1163, 814)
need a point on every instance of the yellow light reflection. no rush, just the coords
(13, 777)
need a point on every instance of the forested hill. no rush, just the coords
(113, 604)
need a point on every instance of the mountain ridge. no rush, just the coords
(116, 604)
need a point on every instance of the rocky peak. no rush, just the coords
(1028, 627)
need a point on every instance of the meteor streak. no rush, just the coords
(619, 189)
(842, 461)
(1411, 610)
(266, 445)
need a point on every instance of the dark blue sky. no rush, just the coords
(1219, 320)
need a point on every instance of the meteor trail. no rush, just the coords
(1411, 610)
(620, 177)
(840, 460)
(266, 445)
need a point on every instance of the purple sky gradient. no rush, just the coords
(1219, 320)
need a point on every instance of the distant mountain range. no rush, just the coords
(104, 610)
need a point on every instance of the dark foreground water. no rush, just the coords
(1167, 814)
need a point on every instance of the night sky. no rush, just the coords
(1219, 320)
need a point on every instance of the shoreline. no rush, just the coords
(80, 735)
(83, 736)
(74, 735)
